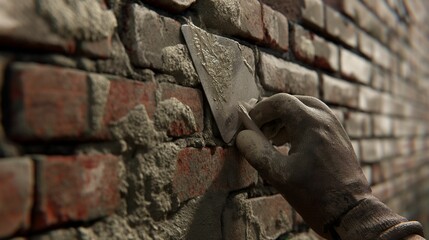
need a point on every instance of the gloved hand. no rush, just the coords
(321, 177)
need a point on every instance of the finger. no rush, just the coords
(272, 128)
(280, 106)
(314, 103)
(261, 154)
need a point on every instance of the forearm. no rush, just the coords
(371, 219)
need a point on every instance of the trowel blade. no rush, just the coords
(226, 76)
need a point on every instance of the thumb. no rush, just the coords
(260, 153)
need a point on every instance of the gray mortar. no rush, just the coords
(99, 89)
(177, 62)
(172, 110)
(81, 20)
(136, 128)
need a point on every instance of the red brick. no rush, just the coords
(188, 96)
(313, 49)
(276, 29)
(340, 92)
(272, 214)
(125, 94)
(201, 170)
(16, 195)
(48, 102)
(280, 76)
(75, 188)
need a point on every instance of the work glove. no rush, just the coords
(321, 176)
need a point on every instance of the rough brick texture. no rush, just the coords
(106, 131)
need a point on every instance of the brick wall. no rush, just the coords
(106, 132)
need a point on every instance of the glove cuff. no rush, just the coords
(371, 219)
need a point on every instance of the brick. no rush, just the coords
(210, 170)
(143, 46)
(242, 18)
(389, 147)
(276, 29)
(75, 188)
(380, 79)
(18, 18)
(369, 99)
(371, 150)
(382, 56)
(340, 92)
(272, 214)
(339, 27)
(315, 50)
(377, 173)
(188, 96)
(355, 67)
(356, 148)
(365, 19)
(312, 13)
(383, 11)
(174, 6)
(383, 191)
(16, 195)
(366, 169)
(366, 44)
(280, 76)
(124, 95)
(382, 125)
(357, 124)
(339, 114)
(48, 102)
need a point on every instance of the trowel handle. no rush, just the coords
(247, 120)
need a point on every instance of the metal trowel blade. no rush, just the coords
(226, 76)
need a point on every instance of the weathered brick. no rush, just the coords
(201, 170)
(16, 195)
(355, 67)
(377, 173)
(339, 114)
(276, 29)
(369, 99)
(75, 188)
(20, 16)
(365, 19)
(382, 56)
(382, 125)
(188, 96)
(272, 214)
(145, 46)
(366, 44)
(356, 148)
(315, 50)
(389, 147)
(280, 76)
(339, 27)
(380, 79)
(242, 18)
(357, 124)
(312, 13)
(383, 191)
(48, 102)
(366, 169)
(371, 150)
(340, 92)
(383, 11)
(124, 95)
(174, 6)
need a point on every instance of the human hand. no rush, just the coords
(321, 177)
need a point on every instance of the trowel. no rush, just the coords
(227, 78)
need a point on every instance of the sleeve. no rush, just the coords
(371, 219)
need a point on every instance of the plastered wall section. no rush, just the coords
(106, 132)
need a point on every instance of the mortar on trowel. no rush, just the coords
(227, 79)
